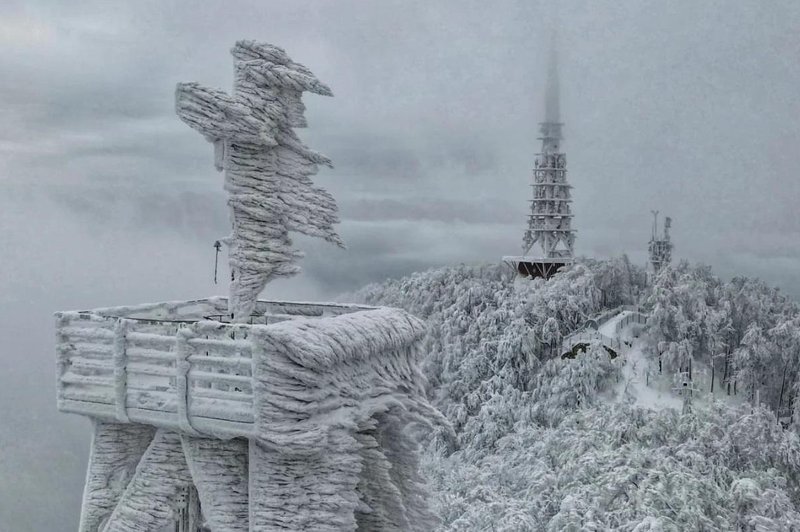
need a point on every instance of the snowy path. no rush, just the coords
(636, 386)
(643, 385)
(606, 333)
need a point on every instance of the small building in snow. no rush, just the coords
(660, 246)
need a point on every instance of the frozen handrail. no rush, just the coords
(194, 375)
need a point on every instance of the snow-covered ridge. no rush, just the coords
(546, 443)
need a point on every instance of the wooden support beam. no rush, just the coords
(116, 450)
(219, 472)
(161, 478)
(305, 492)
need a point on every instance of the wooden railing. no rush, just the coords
(165, 365)
(589, 335)
(633, 317)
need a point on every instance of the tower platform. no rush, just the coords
(536, 267)
(174, 365)
(255, 419)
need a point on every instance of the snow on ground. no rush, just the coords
(641, 383)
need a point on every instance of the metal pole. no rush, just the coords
(217, 246)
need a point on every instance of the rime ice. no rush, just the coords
(289, 416)
(267, 168)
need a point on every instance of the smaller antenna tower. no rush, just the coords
(660, 248)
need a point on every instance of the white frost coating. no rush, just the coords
(182, 366)
(305, 493)
(199, 308)
(267, 168)
(322, 408)
(151, 498)
(392, 490)
(332, 397)
(318, 373)
(120, 370)
(116, 450)
(219, 471)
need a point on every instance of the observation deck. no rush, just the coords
(181, 366)
(535, 267)
(248, 422)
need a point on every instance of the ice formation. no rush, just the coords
(298, 424)
(296, 416)
(267, 167)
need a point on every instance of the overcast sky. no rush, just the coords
(106, 198)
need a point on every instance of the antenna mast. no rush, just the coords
(660, 249)
(548, 243)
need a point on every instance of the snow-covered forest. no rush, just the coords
(550, 443)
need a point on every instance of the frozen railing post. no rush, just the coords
(294, 416)
(267, 168)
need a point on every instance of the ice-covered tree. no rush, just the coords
(539, 448)
(551, 334)
(786, 336)
(564, 385)
(718, 326)
(486, 337)
(761, 503)
(619, 281)
(753, 359)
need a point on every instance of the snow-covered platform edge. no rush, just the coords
(167, 366)
(297, 424)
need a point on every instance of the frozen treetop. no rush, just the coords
(267, 167)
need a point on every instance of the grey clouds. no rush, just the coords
(106, 198)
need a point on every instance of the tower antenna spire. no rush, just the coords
(660, 247)
(655, 224)
(549, 240)
(552, 103)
